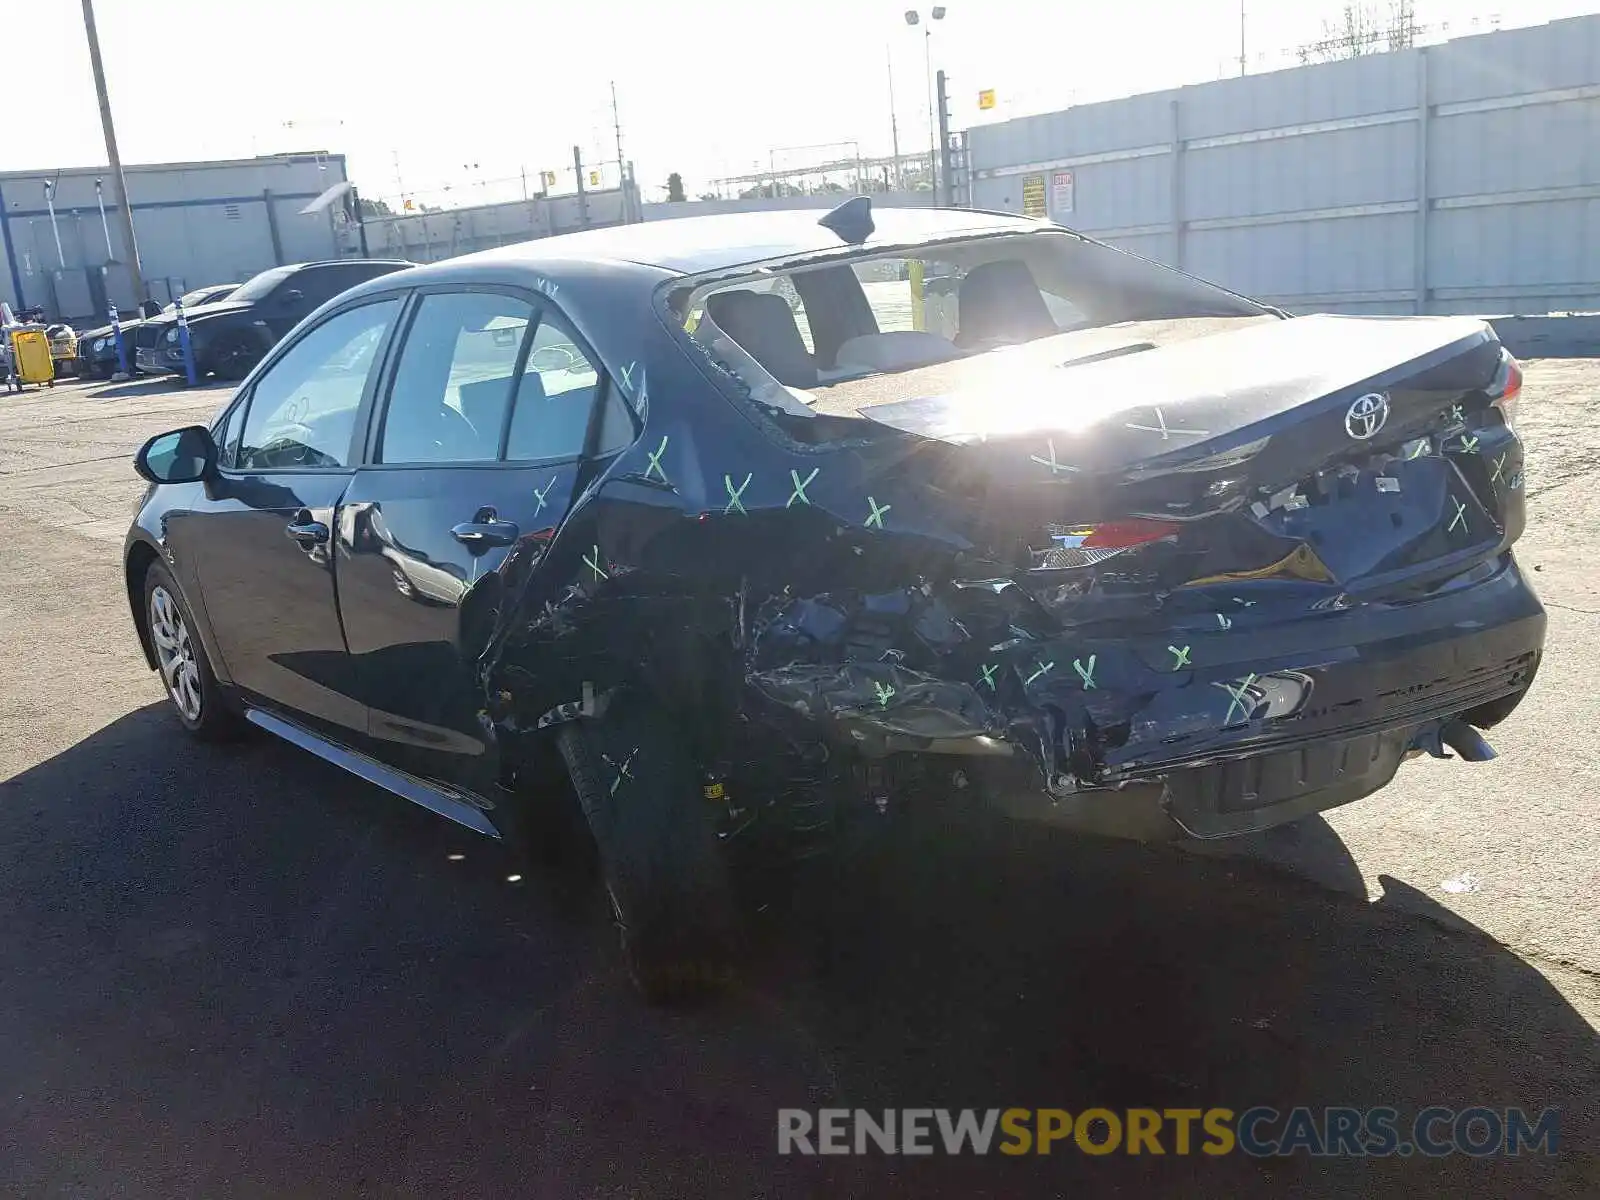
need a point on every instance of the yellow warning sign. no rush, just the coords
(1033, 201)
(986, 98)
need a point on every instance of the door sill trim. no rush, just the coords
(451, 803)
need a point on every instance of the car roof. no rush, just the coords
(690, 245)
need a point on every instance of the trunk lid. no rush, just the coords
(1294, 464)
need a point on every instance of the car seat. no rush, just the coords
(1000, 302)
(764, 324)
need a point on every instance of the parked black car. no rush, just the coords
(97, 349)
(230, 336)
(692, 510)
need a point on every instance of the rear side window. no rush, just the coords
(303, 408)
(454, 379)
(557, 393)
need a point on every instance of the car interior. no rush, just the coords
(818, 325)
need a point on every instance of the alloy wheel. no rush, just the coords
(175, 652)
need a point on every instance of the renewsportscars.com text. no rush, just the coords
(1260, 1132)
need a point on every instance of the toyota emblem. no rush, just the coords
(1366, 416)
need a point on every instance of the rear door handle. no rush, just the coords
(480, 535)
(307, 533)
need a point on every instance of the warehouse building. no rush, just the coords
(196, 224)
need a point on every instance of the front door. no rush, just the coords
(266, 563)
(470, 470)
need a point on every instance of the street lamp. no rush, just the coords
(914, 18)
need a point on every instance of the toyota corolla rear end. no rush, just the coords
(1277, 560)
(1158, 560)
(1211, 586)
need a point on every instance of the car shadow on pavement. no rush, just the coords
(160, 385)
(234, 970)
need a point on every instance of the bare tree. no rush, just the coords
(1364, 28)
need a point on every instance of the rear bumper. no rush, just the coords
(1379, 666)
(1382, 678)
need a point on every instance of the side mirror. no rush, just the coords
(183, 456)
(293, 297)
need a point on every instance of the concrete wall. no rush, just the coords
(196, 223)
(429, 237)
(708, 208)
(1461, 177)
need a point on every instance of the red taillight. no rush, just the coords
(1505, 389)
(1120, 535)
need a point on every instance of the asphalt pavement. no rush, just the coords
(235, 971)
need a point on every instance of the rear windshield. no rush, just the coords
(829, 337)
(260, 286)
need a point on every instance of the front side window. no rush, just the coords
(303, 410)
(559, 382)
(454, 380)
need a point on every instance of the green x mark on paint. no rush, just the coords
(876, 516)
(627, 376)
(1181, 653)
(734, 496)
(1044, 669)
(885, 694)
(655, 467)
(623, 772)
(1457, 413)
(1085, 673)
(1055, 466)
(1460, 518)
(1469, 445)
(1239, 695)
(540, 493)
(594, 565)
(989, 672)
(1499, 466)
(800, 486)
(1419, 449)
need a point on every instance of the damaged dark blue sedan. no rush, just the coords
(744, 525)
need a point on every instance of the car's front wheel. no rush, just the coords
(663, 869)
(235, 354)
(181, 660)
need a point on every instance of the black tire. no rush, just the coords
(233, 357)
(659, 857)
(214, 719)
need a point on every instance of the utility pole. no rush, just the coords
(622, 169)
(1241, 39)
(399, 184)
(933, 125)
(894, 122)
(119, 183)
(583, 198)
(943, 194)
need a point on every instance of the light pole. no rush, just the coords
(914, 18)
(894, 123)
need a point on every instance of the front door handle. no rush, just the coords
(307, 533)
(480, 535)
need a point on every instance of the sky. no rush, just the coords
(450, 103)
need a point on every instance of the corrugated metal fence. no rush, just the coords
(1462, 177)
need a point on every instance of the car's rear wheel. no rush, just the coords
(235, 354)
(663, 869)
(181, 660)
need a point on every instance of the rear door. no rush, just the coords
(263, 541)
(471, 465)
